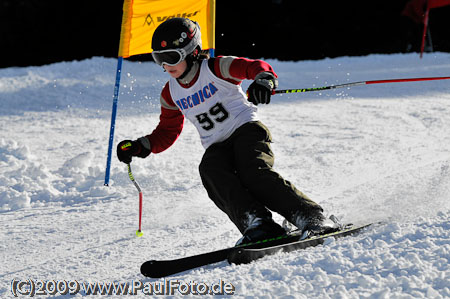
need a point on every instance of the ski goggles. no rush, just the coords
(175, 56)
(170, 57)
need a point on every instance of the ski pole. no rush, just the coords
(359, 83)
(139, 233)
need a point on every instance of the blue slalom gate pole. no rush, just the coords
(113, 120)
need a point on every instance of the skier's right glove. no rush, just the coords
(126, 149)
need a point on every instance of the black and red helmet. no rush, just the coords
(175, 39)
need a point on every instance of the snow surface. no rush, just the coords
(369, 153)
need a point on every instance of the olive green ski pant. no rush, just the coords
(238, 176)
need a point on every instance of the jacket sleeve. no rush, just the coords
(170, 125)
(236, 69)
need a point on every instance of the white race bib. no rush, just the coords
(216, 107)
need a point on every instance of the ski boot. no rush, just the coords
(317, 225)
(320, 225)
(265, 229)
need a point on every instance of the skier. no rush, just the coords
(236, 168)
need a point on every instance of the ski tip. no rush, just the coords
(145, 268)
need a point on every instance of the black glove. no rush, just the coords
(129, 148)
(262, 88)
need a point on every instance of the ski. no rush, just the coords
(158, 269)
(246, 255)
(241, 254)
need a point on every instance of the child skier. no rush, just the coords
(236, 168)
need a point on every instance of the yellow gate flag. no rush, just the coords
(141, 17)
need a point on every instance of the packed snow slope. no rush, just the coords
(373, 153)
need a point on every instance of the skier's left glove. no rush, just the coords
(127, 149)
(260, 91)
